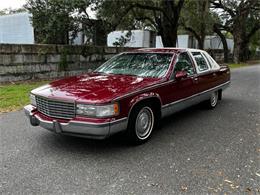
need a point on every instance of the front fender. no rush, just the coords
(141, 97)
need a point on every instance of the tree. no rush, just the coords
(242, 19)
(197, 19)
(217, 29)
(12, 11)
(161, 15)
(52, 20)
(255, 43)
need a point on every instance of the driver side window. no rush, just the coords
(184, 63)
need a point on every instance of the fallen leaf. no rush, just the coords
(213, 189)
(228, 181)
(248, 190)
(184, 188)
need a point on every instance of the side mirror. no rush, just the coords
(181, 74)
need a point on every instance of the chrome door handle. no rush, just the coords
(196, 80)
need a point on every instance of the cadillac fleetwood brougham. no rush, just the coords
(130, 92)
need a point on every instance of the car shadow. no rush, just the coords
(116, 143)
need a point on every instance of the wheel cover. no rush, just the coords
(214, 99)
(144, 123)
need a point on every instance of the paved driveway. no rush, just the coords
(197, 150)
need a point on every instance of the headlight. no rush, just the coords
(32, 99)
(98, 111)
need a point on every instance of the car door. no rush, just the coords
(205, 77)
(179, 90)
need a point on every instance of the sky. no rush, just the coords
(14, 4)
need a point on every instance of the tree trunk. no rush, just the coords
(223, 40)
(169, 22)
(241, 49)
(241, 43)
(169, 37)
(201, 43)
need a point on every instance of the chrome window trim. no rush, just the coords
(215, 65)
(207, 61)
(195, 62)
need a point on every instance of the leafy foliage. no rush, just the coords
(197, 19)
(52, 20)
(242, 19)
(123, 39)
(12, 11)
(159, 15)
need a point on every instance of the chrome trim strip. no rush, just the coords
(77, 128)
(197, 94)
(54, 99)
(84, 123)
(96, 124)
(42, 120)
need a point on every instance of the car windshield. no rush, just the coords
(137, 64)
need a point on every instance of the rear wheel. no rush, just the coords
(213, 101)
(141, 124)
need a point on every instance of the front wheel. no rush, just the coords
(141, 124)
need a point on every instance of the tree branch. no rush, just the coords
(152, 8)
(178, 8)
(143, 18)
(218, 4)
(120, 18)
(191, 30)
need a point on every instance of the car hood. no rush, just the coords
(94, 87)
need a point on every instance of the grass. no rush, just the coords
(15, 96)
(233, 65)
(252, 62)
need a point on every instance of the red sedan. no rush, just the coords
(130, 92)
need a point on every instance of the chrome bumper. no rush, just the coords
(76, 128)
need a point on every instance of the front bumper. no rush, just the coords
(76, 128)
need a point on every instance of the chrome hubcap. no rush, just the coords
(144, 123)
(214, 99)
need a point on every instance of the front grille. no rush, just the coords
(54, 108)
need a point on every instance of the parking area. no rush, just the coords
(193, 151)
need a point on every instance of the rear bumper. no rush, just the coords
(76, 128)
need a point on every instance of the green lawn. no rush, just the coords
(15, 96)
(237, 65)
(248, 63)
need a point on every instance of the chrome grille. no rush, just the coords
(54, 108)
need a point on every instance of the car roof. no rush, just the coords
(164, 50)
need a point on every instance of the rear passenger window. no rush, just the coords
(214, 64)
(209, 63)
(201, 62)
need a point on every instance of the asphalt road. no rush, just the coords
(195, 151)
